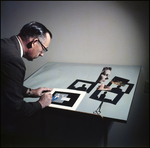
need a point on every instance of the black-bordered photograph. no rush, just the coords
(118, 86)
(66, 98)
(82, 85)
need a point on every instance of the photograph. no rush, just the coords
(119, 81)
(82, 85)
(66, 98)
(117, 87)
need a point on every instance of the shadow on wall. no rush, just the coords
(140, 12)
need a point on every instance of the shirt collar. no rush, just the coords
(21, 49)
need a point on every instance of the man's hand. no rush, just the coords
(45, 99)
(38, 92)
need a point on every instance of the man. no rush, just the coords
(104, 76)
(32, 41)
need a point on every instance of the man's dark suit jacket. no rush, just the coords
(12, 90)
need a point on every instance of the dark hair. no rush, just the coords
(33, 29)
(106, 68)
(103, 72)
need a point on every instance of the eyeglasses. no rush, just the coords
(44, 48)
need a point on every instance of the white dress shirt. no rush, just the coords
(21, 49)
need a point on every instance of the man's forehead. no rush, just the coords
(107, 71)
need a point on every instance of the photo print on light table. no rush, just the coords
(119, 86)
(82, 85)
(87, 86)
(116, 84)
(104, 75)
(66, 98)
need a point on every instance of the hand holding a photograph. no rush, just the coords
(45, 99)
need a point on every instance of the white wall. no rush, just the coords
(100, 32)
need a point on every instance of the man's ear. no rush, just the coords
(29, 45)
